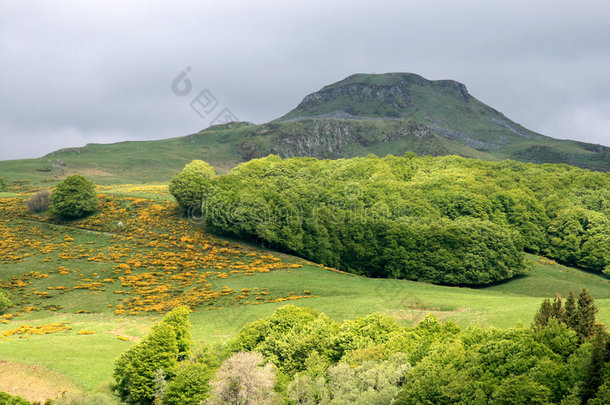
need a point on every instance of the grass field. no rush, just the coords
(86, 290)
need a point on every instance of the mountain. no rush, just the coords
(364, 113)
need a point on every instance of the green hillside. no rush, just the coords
(84, 291)
(379, 114)
(83, 288)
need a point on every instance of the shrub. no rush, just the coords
(73, 198)
(5, 300)
(39, 202)
(7, 399)
(3, 185)
(189, 186)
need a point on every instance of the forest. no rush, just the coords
(301, 356)
(446, 220)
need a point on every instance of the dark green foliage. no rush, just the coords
(136, 370)
(444, 220)
(189, 187)
(479, 365)
(557, 308)
(585, 315)
(5, 300)
(602, 397)
(392, 217)
(581, 237)
(73, 198)
(7, 399)
(549, 310)
(579, 317)
(3, 185)
(570, 315)
(561, 329)
(597, 364)
(545, 312)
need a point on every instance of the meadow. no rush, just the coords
(86, 290)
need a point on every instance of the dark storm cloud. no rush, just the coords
(76, 72)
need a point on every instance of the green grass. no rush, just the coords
(547, 279)
(87, 360)
(338, 295)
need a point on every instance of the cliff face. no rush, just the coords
(331, 138)
(394, 98)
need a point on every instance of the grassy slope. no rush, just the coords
(435, 104)
(127, 162)
(36, 383)
(87, 360)
(150, 161)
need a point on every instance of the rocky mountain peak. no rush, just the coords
(376, 96)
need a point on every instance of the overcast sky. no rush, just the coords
(79, 72)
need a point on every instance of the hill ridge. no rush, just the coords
(390, 113)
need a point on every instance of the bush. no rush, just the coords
(189, 187)
(7, 399)
(39, 202)
(5, 300)
(3, 185)
(73, 198)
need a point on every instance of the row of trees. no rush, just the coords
(576, 315)
(446, 220)
(300, 356)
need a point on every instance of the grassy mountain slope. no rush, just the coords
(380, 114)
(447, 109)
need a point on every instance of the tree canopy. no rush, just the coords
(446, 220)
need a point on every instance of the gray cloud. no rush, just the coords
(76, 72)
